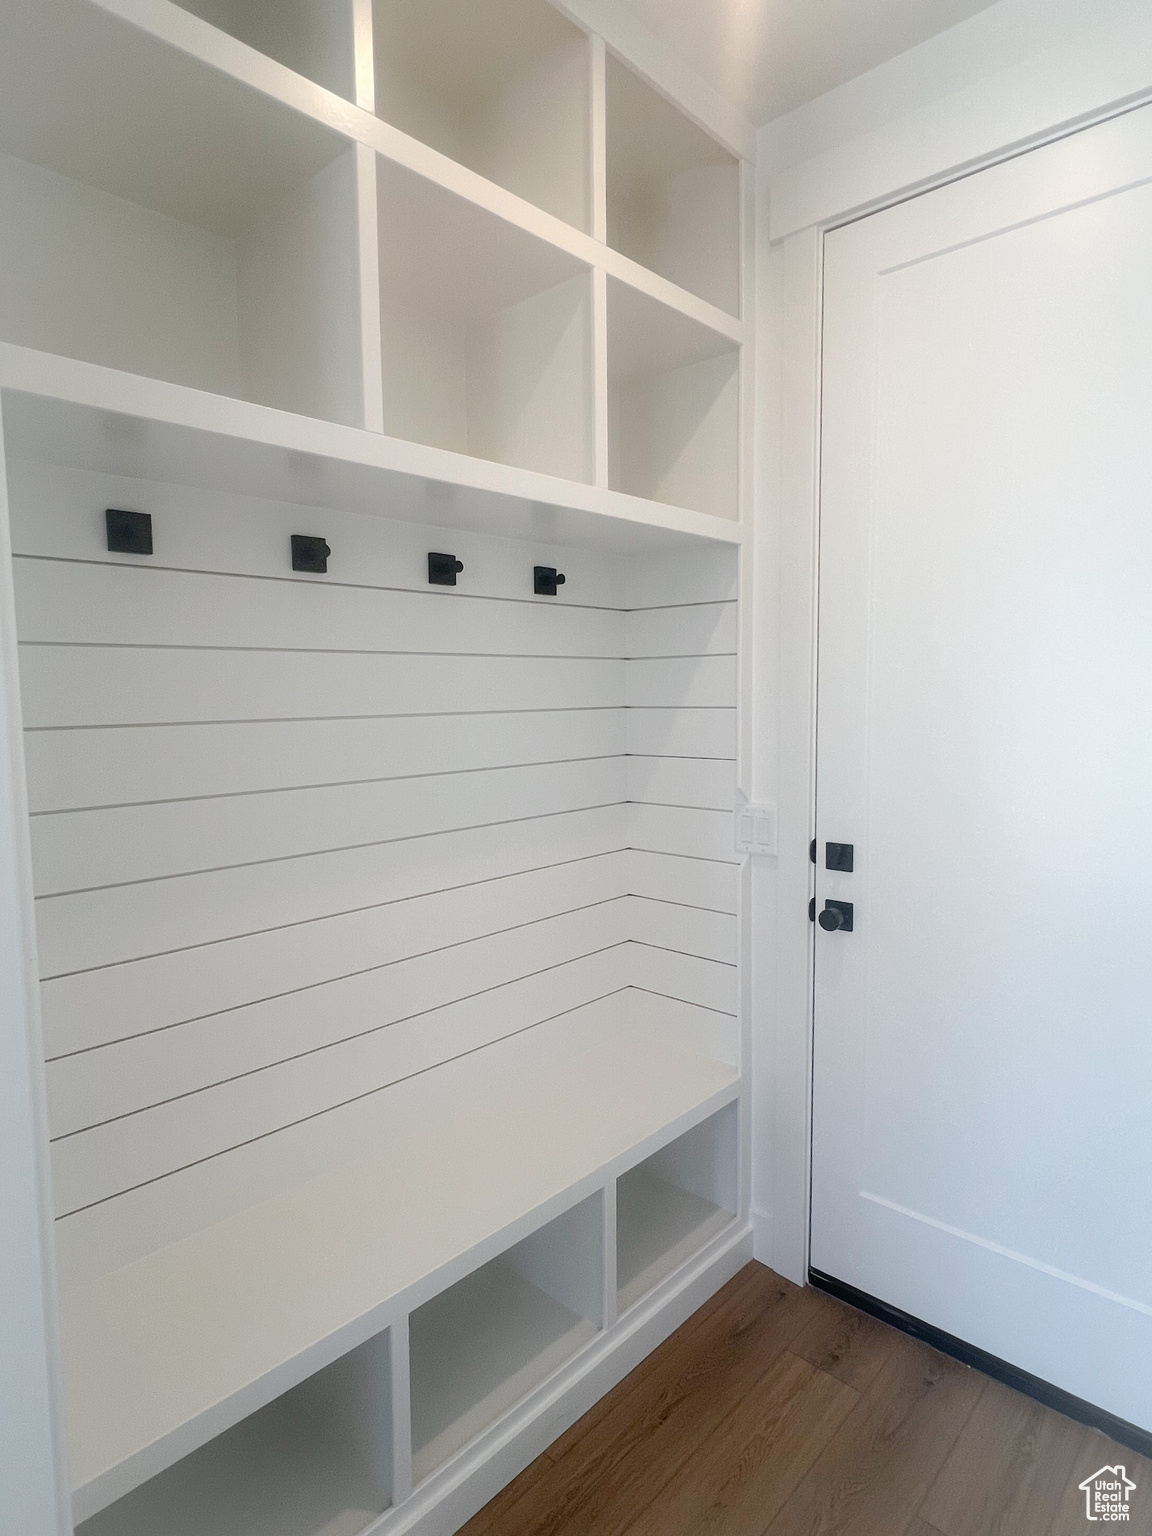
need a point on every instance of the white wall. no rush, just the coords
(299, 841)
(1013, 76)
(34, 1497)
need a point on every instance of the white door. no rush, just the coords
(982, 1152)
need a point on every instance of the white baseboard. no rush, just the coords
(759, 1222)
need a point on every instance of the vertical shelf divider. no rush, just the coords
(600, 387)
(363, 54)
(610, 1302)
(598, 188)
(368, 261)
(401, 1378)
(598, 138)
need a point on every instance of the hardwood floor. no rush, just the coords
(776, 1411)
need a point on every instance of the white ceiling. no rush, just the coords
(769, 56)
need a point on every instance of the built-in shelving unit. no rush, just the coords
(673, 406)
(311, 37)
(214, 224)
(484, 1343)
(672, 1204)
(486, 332)
(504, 88)
(318, 1459)
(167, 1352)
(163, 220)
(673, 192)
(393, 1058)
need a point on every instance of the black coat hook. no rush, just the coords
(546, 578)
(129, 533)
(310, 553)
(442, 569)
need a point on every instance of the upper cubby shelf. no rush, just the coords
(673, 192)
(502, 87)
(59, 411)
(313, 37)
(673, 406)
(166, 220)
(485, 332)
(188, 195)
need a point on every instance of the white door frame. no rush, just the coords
(1100, 73)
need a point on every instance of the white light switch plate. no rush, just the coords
(756, 829)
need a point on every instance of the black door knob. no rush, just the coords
(836, 916)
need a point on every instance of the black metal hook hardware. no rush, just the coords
(545, 580)
(443, 569)
(310, 553)
(129, 533)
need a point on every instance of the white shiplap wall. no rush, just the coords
(314, 852)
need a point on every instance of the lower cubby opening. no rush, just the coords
(485, 1342)
(669, 1206)
(315, 1462)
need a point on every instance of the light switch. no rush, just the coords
(756, 829)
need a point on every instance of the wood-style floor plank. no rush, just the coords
(871, 1479)
(611, 1475)
(776, 1411)
(750, 1287)
(745, 1289)
(847, 1344)
(1096, 1451)
(737, 1480)
(1007, 1472)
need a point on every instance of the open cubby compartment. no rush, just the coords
(503, 87)
(315, 1462)
(673, 192)
(158, 217)
(673, 406)
(669, 1206)
(481, 1345)
(312, 37)
(486, 332)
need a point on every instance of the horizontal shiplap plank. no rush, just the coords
(103, 1237)
(707, 575)
(115, 765)
(672, 829)
(79, 603)
(130, 1075)
(682, 683)
(696, 629)
(682, 732)
(58, 512)
(708, 983)
(71, 686)
(93, 1008)
(98, 1163)
(687, 930)
(692, 882)
(687, 1025)
(79, 850)
(703, 783)
(97, 928)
